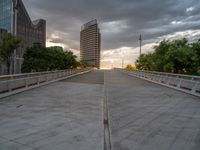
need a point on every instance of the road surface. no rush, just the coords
(69, 115)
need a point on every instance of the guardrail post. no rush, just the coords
(57, 75)
(179, 84)
(194, 88)
(26, 82)
(66, 73)
(169, 79)
(160, 79)
(38, 80)
(9, 86)
(53, 76)
(46, 77)
(192, 79)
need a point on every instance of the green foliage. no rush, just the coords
(84, 64)
(144, 62)
(130, 67)
(172, 56)
(7, 46)
(38, 58)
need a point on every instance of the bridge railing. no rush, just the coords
(186, 83)
(20, 82)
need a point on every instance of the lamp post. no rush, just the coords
(122, 58)
(14, 31)
(140, 39)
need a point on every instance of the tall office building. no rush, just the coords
(15, 19)
(90, 44)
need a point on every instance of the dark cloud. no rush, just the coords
(121, 21)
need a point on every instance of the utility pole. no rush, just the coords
(122, 63)
(140, 39)
(122, 58)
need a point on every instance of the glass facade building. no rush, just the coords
(5, 14)
(15, 19)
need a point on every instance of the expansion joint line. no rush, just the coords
(107, 140)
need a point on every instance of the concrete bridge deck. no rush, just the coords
(69, 115)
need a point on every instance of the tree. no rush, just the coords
(7, 46)
(70, 59)
(158, 57)
(196, 50)
(180, 57)
(144, 62)
(176, 56)
(130, 67)
(38, 58)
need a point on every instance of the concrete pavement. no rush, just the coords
(69, 115)
(147, 116)
(63, 115)
(94, 77)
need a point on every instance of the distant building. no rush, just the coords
(15, 19)
(90, 44)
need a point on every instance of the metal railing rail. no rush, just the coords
(181, 76)
(16, 76)
(186, 83)
(12, 84)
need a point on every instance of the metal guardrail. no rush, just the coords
(12, 84)
(186, 83)
(18, 76)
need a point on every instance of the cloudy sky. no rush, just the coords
(121, 22)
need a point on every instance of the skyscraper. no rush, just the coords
(90, 44)
(15, 19)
